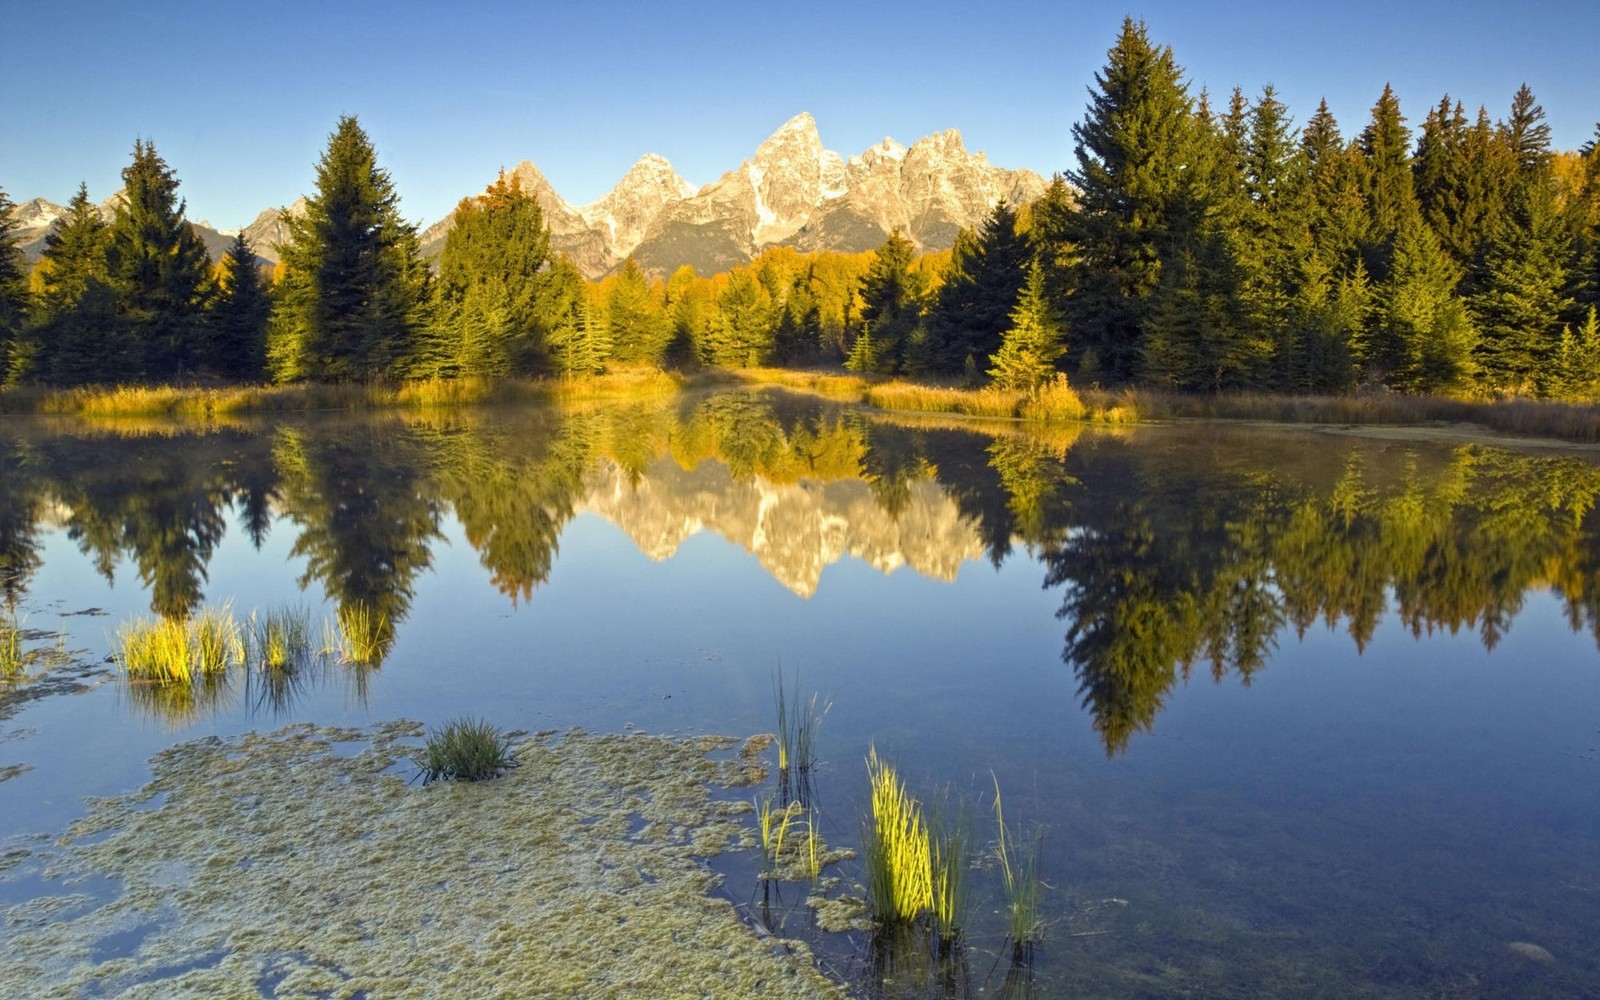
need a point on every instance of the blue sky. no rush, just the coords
(240, 99)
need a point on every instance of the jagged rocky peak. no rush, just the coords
(790, 175)
(624, 213)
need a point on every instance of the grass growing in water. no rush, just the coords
(361, 637)
(174, 650)
(278, 647)
(797, 731)
(465, 750)
(11, 656)
(1019, 880)
(950, 859)
(895, 849)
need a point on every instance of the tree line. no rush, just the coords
(1189, 247)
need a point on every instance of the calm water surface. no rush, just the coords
(1297, 713)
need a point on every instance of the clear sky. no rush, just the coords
(240, 97)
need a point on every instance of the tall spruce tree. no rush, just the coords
(352, 297)
(1338, 217)
(1031, 344)
(238, 318)
(987, 270)
(77, 335)
(890, 305)
(1135, 147)
(13, 285)
(1391, 198)
(639, 327)
(159, 269)
(1521, 292)
(1423, 337)
(492, 275)
(1586, 273)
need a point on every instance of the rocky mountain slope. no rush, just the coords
(791, 192)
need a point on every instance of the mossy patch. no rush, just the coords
(283, 865)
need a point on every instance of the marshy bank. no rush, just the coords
(304, 863)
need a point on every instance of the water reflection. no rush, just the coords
(1168, 548)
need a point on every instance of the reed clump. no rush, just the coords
(895, 848)
(360, 635)
(180, 651)
(950, 860)
(465, 750)
(796, 737)
(1020, 885)
(13, 660)
(1051, 402)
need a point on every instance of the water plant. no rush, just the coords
(797, 730)
(279, 641)
(12, 658)
(465, 750)
(215, 641)
(176, 650)
(950, 859)
(361, 637)
(1019, 881)
(895, 849)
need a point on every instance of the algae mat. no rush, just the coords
(303, 863)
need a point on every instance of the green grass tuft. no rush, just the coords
(1019, 880)
(465, 750)
(12, 659)
(895, 849)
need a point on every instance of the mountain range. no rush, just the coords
(791, 192)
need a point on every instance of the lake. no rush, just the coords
(1284, 712)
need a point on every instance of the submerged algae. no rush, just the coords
(286, 865)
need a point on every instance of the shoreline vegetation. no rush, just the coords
(1052, 403)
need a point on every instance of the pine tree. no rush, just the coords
(1391, 199)
(1134, 148)
(238, 316)
(890, 296)
(1521, 296)
(1423, 336)
(1338, 217)
(741, 331)
(1586, 273)
(77, 335)
(1576, 374)
(1030, 346)
(577, 340)
(13, 285)
(159, 269)
(492, 272)
(638, 324)
(987, 270)
(353, 292)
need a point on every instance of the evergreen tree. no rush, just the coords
(1576, 374)
(890, 304)
(741, 334)
(1521, 298)
(1272, 230)
(492, 274)
(1442, 176)
(159, 269)
(77, 334)
(351, 299)
(13, 285)
(1423, 337)
(1029, 349)
(638, 325)
(974, 304)
(1134, 148)
(1586, 273)
(1050, 223)
(1391, 199)
(238, 317)
(578, 341)
(1337, 214)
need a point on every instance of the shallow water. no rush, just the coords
(1297, 714)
